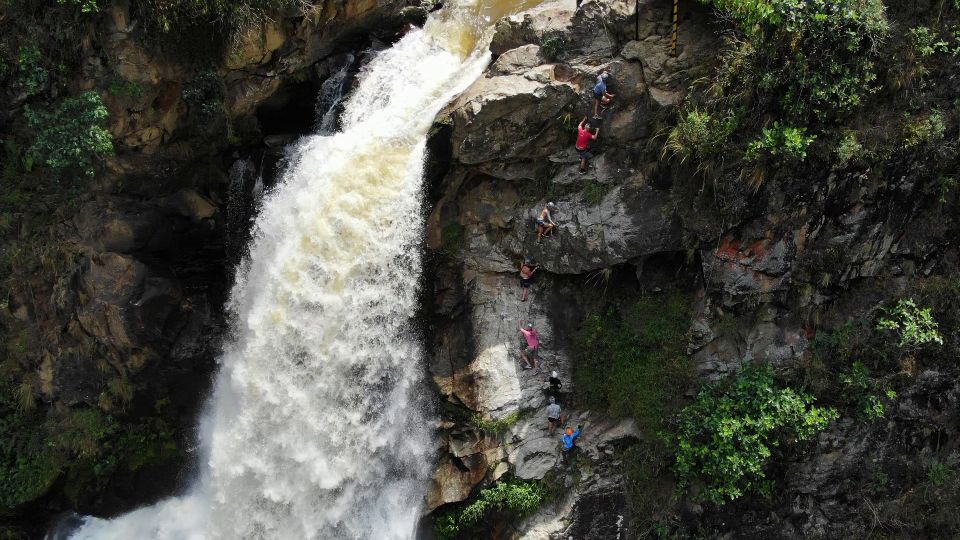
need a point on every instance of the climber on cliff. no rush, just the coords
(584, 136)
(600, 94)
(545, 222)
(529, 354)
(569, 444)
(554, 384)
(554, 416)
(527, 269)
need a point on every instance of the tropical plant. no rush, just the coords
(72, 136)
(914, 325)
(781, 141)
(822, 50)
(516, 497)
(728, 435)
(31, 76)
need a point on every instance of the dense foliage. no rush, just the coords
(818, 54)
(728, 435)
(82, 447)
(72, 136)
(631, 359)
(516, 498)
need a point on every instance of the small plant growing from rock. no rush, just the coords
(781, 141)
(494, 427)
(915, 326)
(552, 46)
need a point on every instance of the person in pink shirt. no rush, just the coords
(529, 355)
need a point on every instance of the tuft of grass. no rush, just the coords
(594, 193)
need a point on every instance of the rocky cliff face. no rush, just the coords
(800, 260)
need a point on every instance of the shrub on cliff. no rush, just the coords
(72, 136)
(816, 54)
(728, 435)
(513, 497)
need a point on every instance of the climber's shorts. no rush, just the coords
(585, 153)
(555, 422)
(525, 282)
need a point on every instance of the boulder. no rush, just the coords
(453, 480)
(191, 205)
(517, 60)
(126, 304)
(509, 117)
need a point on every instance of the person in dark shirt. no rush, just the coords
(555, 384)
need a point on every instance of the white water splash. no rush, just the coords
(331, 96)
(317, 427)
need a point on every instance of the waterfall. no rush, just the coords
(317, 426)
(331, 96)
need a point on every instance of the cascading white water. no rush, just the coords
(316, 428)
(331, 96)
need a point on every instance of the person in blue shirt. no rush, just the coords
(600, 94)
(569, 443)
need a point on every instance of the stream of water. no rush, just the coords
(317, 427)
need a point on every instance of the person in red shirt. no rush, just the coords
(584, 136)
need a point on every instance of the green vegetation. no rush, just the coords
(914, 326)
(788, 142)
(552, 46)
(30, 75)
(631, 358)
(727, 437)
(516, 498)
(926, 42)
(86, 6)
(860, 390)
(924, 131)
(452, 237)
(83, 446)
(124, 88)
(594, 193)
(849, 149)
(817, 53)
(71, 137)
(230, 18)
(204, 94)
(494, 427)
(699, 135)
